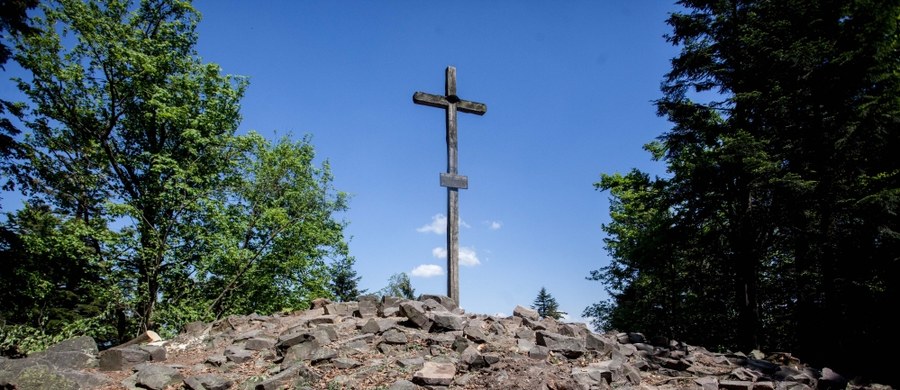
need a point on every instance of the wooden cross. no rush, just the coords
(452, 180)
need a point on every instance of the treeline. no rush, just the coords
(776, 226)
(143, 209)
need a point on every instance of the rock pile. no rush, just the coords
(391, 343)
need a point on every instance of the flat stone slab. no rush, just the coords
(571, 347)
(526, 313)
(345, 363)
(237, 354)
(157, 377)
(394, 336)
(260, 343)
(378, 325)
(116, 359)
(435, 374)
(414, 362)
(448, 321)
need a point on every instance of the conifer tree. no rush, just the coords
(776, 226)
(344, 280)
(546, 305)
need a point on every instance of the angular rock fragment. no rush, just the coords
(378, 325)
(525, 333)
(539, 352)
(591, 376)
(42, 377)
(116, 359)
(322, 354)
(475, 334)
(216, 360)
(158, 377)
(416, 362)
(736, 385)
(390, 306)
(238, 354)
(394, 336)
(287, 377)
(570, 347)
(326, 319)
(210, 382)
(260, 343)
(367, 309)
(345, 363)
(346, 309)
(435, 374)
(447, 321)
(443, 300)
(597, 343)
(707, 383)
(403, 385)
(157, 353)
(302, 351)
(526, 313)
(416, 313)
(460, 344)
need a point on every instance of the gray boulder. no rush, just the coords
(526, 313)
(157, 377)
(570, 347)
(119, 358)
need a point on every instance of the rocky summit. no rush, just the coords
(397, 344)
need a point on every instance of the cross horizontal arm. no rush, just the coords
(442, 102)
(430, 100)
(471, 107)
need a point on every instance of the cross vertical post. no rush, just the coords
(452, 180)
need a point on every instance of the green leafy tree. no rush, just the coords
(129, 125)
(263, 240)
(399, 286)
(132, 137)
(776, 222)
(546, 305)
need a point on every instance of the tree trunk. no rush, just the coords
(149, 269)
(746, 283)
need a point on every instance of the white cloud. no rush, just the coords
(568, 318)
(438, 225)
(495, 225)
(467, 256)
(427, 270)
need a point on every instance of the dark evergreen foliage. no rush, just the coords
(546, 305)
(344, 281)
(13, 22)
(777, 226)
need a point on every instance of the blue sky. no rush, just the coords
(569, 89)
